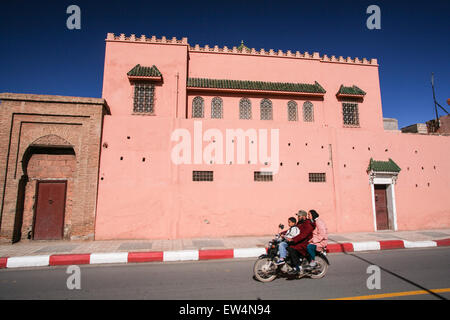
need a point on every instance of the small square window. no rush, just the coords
(202, 176)
(317, 177)
(263, 176)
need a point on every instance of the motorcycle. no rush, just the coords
(265, 269)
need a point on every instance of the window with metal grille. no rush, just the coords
(217, 108)
(198, 107)
(202, 176)
(262, 176)
(266, 109)
(245, 109)
(350, 114)
(143, 97)
(308, 112)
(292, 111)
(317, 177)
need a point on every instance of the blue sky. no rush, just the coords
(38, 54)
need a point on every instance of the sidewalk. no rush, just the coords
(42, 253)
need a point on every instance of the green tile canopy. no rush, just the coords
(144, 72)
(204, 83)
(350, 91)
(383, 166)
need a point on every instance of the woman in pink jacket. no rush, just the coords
(320, 237)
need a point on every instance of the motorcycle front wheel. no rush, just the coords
(265, 270)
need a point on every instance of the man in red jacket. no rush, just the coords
(299, 243)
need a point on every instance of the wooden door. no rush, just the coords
(50, 207)
(381, 207)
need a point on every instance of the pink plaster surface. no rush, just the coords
(156, 199)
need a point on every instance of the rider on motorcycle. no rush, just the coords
(288, 235)
(297, 247)
(319, 239)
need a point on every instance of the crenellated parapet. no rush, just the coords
(281, 53)
(145, 39)
(242, 50)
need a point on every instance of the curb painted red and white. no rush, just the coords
(194, 255)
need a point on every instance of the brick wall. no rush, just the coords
(30, 124)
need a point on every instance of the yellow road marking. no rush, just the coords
(394, 294)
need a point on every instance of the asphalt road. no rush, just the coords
(401, 271)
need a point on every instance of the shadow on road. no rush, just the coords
(391, 273)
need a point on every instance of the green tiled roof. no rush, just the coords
(255, 85)
(354, 90)
(140, 71)
(383, 166)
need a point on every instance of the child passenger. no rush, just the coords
(291, 233)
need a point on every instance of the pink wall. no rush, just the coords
(418, 207)
(156, 199)
(330, 75)
(171, 61)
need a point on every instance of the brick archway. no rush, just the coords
(44, 138)
(51, 140)
(50, 160)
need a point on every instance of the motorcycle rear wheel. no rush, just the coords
(264, 270)
(321, 269)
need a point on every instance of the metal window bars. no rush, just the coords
(202, 176)
(143, 98)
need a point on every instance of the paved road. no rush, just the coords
(401, 271)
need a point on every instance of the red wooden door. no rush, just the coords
(381, 207)
(49, 214)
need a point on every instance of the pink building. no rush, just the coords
(191, 129)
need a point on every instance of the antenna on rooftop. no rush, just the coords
(433, 125)
(434, 99)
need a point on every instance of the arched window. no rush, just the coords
(198, 107)
(266, 109)
(245, 109)
(308, 112)
(217, 108)
(292, 111)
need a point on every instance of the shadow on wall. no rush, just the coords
(21, 192)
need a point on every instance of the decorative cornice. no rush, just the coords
(241, 50)
(7, 96)
(50, 98)
(378, 174)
